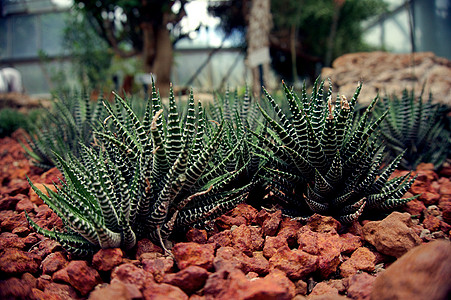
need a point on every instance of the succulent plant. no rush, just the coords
(414, 125)
(241, 114)
(66, 126)
(323, 161)
(143, 178)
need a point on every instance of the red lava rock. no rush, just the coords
(225, 222)
(43, 188)
(425, 166)
(359, 286)
(432, 223)
(14, 261)
(81, 276)
(445, 227)
(21, 231)
(43, 280)
(429, 198)
(288, 231)
(242, 214)
(29, 279)
(9, 203)
(47, 219)
(14, 288)
(45, 247)
(193, 254)
(271, 225)
(445, 186)
(272, 243)
(107, 259)
(221, 239)
(247, 238)
(190, 279)
(197, 236)
(51, 176)
(393, 235)
(25, 205)
(323, 289)
(59, 291)
(31, 239)
(419, 187)
(422, 273)
(116, 290)
(129, 273)
(415, 207)
(361, 260)
(232, 284)
(53, 262)
(301, 287)
(162, 291)
(229, 257)
(43, 211)
(319, 223)
(158, 267)
(17, 186)
(61, 276)
(326, 244)
(12, 220)
(308, 240)
(295, 263)
(11, 240)
(146, 246)
(350, 242)
(262, 216)
(445, 206)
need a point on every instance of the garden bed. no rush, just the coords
(246, 254)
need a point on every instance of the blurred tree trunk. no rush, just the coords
(258, 58)
(157, 55)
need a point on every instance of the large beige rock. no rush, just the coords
(422, 273)
(391, 73)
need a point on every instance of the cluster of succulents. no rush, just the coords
(142, 178)
(327, 161)
(415, 126)
(158, 172)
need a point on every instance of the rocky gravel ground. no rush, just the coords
(250, 253)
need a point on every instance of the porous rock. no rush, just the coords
(247, 238)
(297, 264)
(106, 259)
(162, 291)
(82, 277)
(392, 236)
(53, 262)
(129, 273)
(361, 260)
(14, 261)
(189, 279)
(193, 254)
(233, 284)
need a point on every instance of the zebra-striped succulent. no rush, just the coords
(324, 162)
(240, 115)
(144, 178)
(415, 125)
(67, 125)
